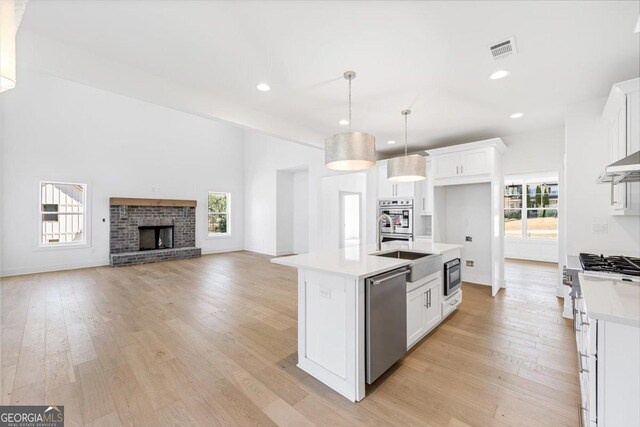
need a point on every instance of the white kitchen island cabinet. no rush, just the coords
(607, 331)
(331, 309)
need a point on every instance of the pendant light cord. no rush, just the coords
(405, 135)
(349, 104)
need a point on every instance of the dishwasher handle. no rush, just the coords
(384, 279)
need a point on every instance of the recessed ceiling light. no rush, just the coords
(263, 87)
(500, 74)
(516, 115)
(344, 122)
(391, 142)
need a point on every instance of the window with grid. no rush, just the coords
(219, 208)
(62, 213)
(531, 208)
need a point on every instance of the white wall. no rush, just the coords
(534, 151)
(264, 155)
(467, 210)
(527, 153)
(300, 212)
(284, 213)
(587, 203)
(54, 129)
(351, 211)
(330, 189)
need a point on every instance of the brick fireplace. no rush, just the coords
(151, 230)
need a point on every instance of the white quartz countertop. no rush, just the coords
(357, 261)
(613, 300)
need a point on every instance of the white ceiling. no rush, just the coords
(206, 57)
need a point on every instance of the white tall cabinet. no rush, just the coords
(473, 163)
(622, 111)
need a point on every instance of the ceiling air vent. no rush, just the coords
(504, 48)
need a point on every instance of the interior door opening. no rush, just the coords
(350, 225)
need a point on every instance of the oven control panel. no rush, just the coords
(395, 202)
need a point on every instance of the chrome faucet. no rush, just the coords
(379, 234)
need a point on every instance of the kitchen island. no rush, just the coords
(331, 308)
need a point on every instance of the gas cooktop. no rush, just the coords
(627, 266)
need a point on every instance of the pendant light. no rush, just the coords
(350, 150)
(406, 168)
(7, 45)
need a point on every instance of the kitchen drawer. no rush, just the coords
(451, 303)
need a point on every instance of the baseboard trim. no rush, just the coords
(52, 268)
(221, 251)
(478, 279)
(259, 251)
(91, 264)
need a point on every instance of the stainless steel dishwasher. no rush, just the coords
(386, 320)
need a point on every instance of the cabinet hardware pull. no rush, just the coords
(581, 369)
(425, 300)
(461, 168)
(580, 409)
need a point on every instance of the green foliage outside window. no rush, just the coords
(218, 215)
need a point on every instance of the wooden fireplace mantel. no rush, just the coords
(124, 201)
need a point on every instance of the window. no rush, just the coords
(531, 208)
(219, 207)
(62, 213)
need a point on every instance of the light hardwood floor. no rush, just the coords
(212, 341)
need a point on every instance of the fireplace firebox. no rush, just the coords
(155, 237)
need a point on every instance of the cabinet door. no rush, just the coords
(416, 314)
(476, 162)
(633, 122)
(446, 165)
(433, 314)
(427, 192)
(385, 188)
(632, 201)
(618, 137)
(405, 189)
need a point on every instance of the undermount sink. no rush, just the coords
(404, 255)
(422, 264)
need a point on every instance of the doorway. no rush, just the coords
(350, 226)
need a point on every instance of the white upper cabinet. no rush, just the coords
(476, 162)
(388, 189)
(424, 193)
(405, 189)
(623, 113)
(446, 165)
(466, 163)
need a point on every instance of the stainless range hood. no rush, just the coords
(626, 169)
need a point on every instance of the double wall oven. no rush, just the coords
(401, 213)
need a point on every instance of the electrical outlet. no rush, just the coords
(470, 263)
(600, 228)
(325, 292)
(468, 239)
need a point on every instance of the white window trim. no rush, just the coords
(524, 180)
(228, 213)
(86, 243)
